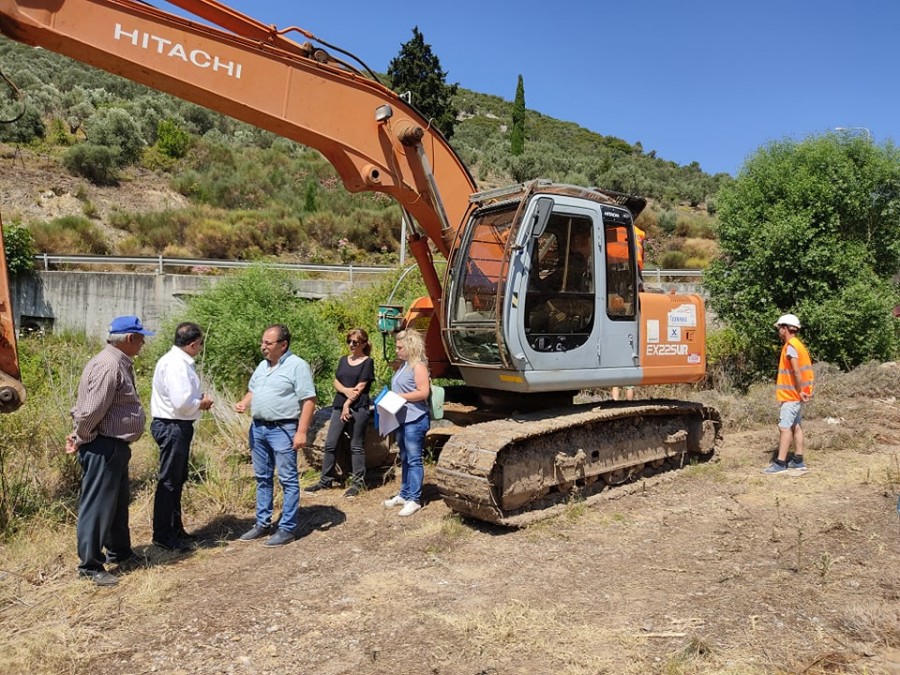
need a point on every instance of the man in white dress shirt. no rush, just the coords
(175, 403)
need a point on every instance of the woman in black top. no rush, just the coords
(352, 381)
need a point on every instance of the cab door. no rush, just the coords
(578, 311)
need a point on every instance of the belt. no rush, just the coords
(273, 423)
(171, 421)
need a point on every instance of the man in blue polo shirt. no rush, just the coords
(282, 400)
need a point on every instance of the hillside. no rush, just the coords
(227, 176)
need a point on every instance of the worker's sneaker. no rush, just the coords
(394, 501)
(409, 508)
(798, 464)
(774, 467)
(352, 491)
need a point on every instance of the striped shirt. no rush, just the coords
(108, 402)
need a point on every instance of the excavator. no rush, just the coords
(541, 297)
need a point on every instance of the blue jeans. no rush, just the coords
(272, 449)
(411, 439)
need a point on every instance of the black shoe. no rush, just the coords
(99, 577)
(322, 486)
(184, 536)
(280, 538)
(119, 558)
(254, 532)
(352, 491)
(132, 562)
(174, 545)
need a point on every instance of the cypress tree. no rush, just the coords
(416, 69)
(517, 134)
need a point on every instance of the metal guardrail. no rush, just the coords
(160, 263)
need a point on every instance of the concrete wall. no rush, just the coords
(88, 301)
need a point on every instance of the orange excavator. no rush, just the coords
(541, 297)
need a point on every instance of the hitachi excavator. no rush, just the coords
(541, 297)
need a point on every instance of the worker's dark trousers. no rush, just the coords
(103, 509)
(174, 440)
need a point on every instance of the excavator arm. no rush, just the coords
(252, 72)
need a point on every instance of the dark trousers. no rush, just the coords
(358, 420)
(103, 508)
(174, 440)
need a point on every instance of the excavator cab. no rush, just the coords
(543, 293)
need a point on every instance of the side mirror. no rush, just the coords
(542, 210)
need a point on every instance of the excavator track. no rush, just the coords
(513, 471)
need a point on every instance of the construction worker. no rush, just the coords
(639, 237)
(793, 388)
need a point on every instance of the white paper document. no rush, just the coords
(388, 407)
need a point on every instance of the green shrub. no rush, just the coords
(115, 128)
(97, 163)
(667, 221)
(233, 314)
(171, 139)
(69, 234)
(673, 260)
(28, 128)
(19, 244)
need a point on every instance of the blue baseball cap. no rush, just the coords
(128, 324)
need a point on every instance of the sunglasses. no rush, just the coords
(355, 342)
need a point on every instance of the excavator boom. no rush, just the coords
(249, 71)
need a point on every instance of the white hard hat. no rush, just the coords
(788, 320)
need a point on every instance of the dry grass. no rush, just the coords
(514, 631)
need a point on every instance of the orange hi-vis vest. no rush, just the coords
(785, 385)
(640, 235)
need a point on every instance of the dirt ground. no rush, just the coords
(713, 569)
(34, 187)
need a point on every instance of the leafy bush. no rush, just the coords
(667, 221)
(98, 163)
(812, 228)
(19, 245)
(171, 139)
(115, 128)
(234, 313)
(29, 127)
(69, 234)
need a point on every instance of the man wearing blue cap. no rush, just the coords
(108, 417)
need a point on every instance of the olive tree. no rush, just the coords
(812, 228)
(115, 128)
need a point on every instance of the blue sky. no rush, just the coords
(696, 80)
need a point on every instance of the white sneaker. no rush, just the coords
(409, 508)
(396, 500)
